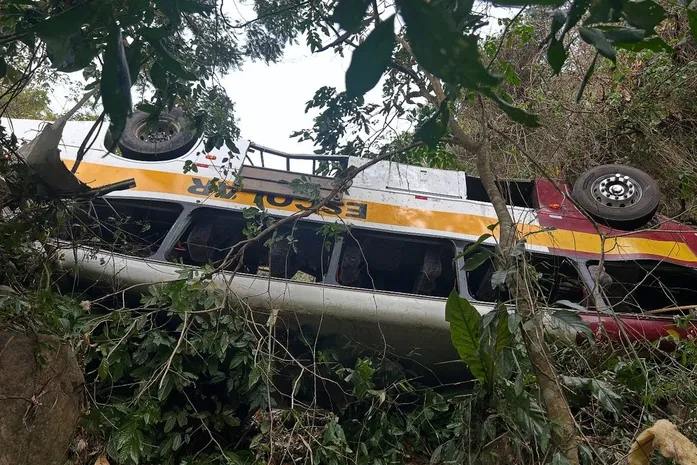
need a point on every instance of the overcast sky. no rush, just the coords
(270, 99)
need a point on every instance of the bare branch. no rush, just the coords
(339, 40)
(236, 253)
(272, 13)
(503, 37)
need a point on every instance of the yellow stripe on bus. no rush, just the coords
(459, 223)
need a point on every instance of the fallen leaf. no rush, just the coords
(664, 436)
(101, 460)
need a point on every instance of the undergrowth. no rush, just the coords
(184, 377)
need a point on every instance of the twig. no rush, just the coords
(503, 37)
(236, 252)
(271, 13)
(339, 40)
(176, 348)
(658, 311)
(83, 147)
(113, 187)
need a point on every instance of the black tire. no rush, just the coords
(625, 202)
(137, 140)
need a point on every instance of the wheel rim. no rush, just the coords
(616, 190)
(157, 132)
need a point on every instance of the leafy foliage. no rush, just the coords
(172, 48)
(480, 341)
(170, 377)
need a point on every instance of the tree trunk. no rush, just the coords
(553, 398)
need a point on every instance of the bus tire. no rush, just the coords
(170, 138)
(619, 196)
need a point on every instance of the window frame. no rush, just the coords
(114, 201)
(339, 244)
(579, 264)
(607, 306)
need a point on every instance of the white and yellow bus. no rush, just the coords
(383, 276)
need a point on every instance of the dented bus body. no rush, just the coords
(382, 274)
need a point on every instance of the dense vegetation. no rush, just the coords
(184, 375)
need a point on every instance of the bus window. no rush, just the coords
(127, 226)
(555, 278)
(298, 252)
(646, 285)
(397, 263)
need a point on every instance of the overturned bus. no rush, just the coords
(377, 263)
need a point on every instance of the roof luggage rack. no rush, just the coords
(336, 163)
(276, 180)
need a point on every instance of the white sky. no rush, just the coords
(270, 99)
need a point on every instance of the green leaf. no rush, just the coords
(560, 459)
(441, 49)
(655, 44)
(349, 14)
(609, 399)
(576, 11)
(568, 303)
(514, 322)
(558, 19)
(158, 76)
(169, 424)
(464, 331)
(370, 59)
(499, 278)
(503, 333)
(556, 55)
(586, 78)
(254, 376)
(103, 370)
(134, 59)
(576, 382)
(67, 22)
(599, 12)
(148, 108)
(516, 114)
(596, 38)
(645, 14)
(692, 18)
(171, 9)
(476, 260)
(169, 63)
(622, 34)
(474, 246)
(191, 6)
(177, 442)
(115, 86)
(154, 33)
(435, 127)
(572, 321)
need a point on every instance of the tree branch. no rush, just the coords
(503, 37)
(236, 253)
(339, 40)
(272, 13)
(526, 301)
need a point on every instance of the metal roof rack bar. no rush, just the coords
(341, 159)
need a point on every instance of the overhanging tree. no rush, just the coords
(435, 57)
